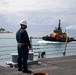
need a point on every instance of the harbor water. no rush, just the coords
(8, 45)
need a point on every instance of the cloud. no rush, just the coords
(19, 5)
(3, 2)
(44, 13)
(46, 20)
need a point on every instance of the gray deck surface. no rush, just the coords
(65, 65)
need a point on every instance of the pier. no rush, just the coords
(65, 65)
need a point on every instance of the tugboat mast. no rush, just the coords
(59, 26)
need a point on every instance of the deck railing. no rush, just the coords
(41, 50)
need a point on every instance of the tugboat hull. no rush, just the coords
(48, 38)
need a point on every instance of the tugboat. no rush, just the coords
(58, 35)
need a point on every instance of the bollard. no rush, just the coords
(40, 73)
(41, 54)
(15, 56)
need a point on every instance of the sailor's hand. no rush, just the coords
(30, 49)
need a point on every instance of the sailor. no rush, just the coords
(23, 47)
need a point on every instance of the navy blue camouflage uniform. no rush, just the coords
(23, 44)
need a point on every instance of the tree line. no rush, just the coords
(2, 29)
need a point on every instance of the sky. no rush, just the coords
(41, 15)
